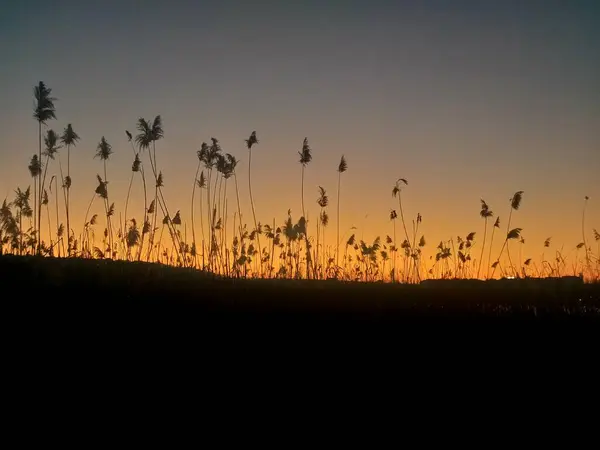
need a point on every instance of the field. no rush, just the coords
(206, 262)
(39, 220)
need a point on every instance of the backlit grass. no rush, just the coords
(38, 220)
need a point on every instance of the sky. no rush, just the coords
(464, 99)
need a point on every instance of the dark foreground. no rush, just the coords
(99, 326)
(113, 289)
(87, 308)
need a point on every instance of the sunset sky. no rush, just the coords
(464, 99)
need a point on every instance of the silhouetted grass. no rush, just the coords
(288, 251)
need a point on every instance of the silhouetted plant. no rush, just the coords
(496, 225)
(587, 255)
(10, 231)
(250, 142)
(397, 192)
(515, 203)
(50, 150)
(233, 164)
(103, 151)
(349, 243)
(485, 213)
(133, 237)
(324, 220)
(144, 139)
(513, 234)
(45, 202)
(69, 138)
(200, 183)
(286, 244)
(416, 251)
(21, 202)
(135, 167)
(394, 248)
(58, 224)
(213, 160)
(322, 201)
(44, 111)
(35, 170)
(342, 167)
(149, 133)
(305, 158)
(597, 239)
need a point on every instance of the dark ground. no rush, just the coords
(69, 309)
(113, 290)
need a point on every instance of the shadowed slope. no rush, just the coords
(125, 286)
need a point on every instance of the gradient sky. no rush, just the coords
(465, 99)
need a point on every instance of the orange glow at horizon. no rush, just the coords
(465, 100)
(364, 212)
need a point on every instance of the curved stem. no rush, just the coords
(155, 171)
(172, 231)
(40, 189)
(202, 230)
(395, 251)
(237, 193)
(85, 218)
(49, 227)
(40, 204)
(306, 243)
(193, 224)
(585, 247)
(499, 256)
(337, 240)
(35, 199)
(252, 205)
(302, 192)
(56, 202)
(108, 221)
(402, 217)
(208, 217)
(482, 246)
(506, 242)
(127, 204)
(67, 192)
(141, 246)
(487, 274)
(66, 207)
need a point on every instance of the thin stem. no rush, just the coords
(482, 246)
(252, 203)
(402, 217)
(108, 220)
(56, 202)
(127, 203)
(40, 204)
(202, 229)
(193, 224)
(487, 274)
(585, 247)
(306, 243)
(506, 242)
(40, 189)
(86, 216)
(237, 193)
(499, 256)
(145, 203)
(337, 240)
